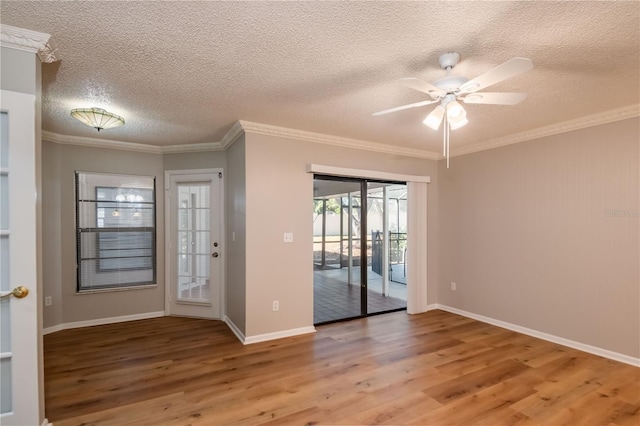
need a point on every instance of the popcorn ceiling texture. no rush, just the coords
(185, 72)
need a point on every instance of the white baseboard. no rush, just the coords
(102, 321)
(268, 336)
(544, 336)
(234, 329)
(433, 307)
(279, 335)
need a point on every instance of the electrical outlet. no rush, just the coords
(276, 306)
(288, 237)
(453, 286)
(48, 301)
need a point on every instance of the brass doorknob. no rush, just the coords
(19, 292)
(215, 254)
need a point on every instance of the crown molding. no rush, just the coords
(229, 138)
(268, 130)
(624, 113)
(100, 143)
(232, 135)
(28, 41)
(242, 126)
(194, 147)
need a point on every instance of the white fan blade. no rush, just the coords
(509, 69)
(423, 86)
(400, 108)
(495, 98)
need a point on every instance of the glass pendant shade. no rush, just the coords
(434, 119)
(97, 118)
(456, 115)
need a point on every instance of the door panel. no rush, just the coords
(386, 226)
(337, 236)
(19, 391)
(195, 246)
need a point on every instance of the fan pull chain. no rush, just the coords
(444, 138)
(445, 142)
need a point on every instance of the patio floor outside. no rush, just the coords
(335, 299)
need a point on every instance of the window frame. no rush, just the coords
(97, 229)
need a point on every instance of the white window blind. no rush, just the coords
(116, 231)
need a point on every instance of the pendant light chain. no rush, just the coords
(445, 142)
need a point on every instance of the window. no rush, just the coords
(115, 228)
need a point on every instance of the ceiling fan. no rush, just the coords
(450, 89)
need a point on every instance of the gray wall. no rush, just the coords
(18, 71)
(236, 207)
(545, 235)
(59, 164)
(195, 160)
(52, 233)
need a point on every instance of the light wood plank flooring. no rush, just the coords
(430, 369)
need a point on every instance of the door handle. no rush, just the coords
(215, 254)
(19, 292)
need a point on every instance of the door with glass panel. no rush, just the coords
(19, 352)
(337, 248)
(359, 229)
(194, 254)
(387, 231)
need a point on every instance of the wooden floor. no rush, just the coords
(430, 369)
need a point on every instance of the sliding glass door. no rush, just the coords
(336, 251)
(356, 227)
(387, 230)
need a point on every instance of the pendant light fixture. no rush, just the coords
(452, 114)
(97, 118)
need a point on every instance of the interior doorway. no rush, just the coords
(360, 236)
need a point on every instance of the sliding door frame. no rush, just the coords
(364, 234)
(416, 226)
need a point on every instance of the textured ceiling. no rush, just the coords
(185, 72)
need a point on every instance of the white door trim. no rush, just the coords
(364, 174)
(168, 174)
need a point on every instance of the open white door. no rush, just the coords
(194, 243)
(19, 392)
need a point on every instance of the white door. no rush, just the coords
(19, 392)
(194, 243)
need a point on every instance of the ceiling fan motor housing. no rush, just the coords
(450, 83)
(449, 60)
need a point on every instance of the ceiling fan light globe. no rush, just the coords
(455, 111)
(434, 119)
(454, 125)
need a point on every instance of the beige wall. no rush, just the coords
(544, 234)
(279, 196)
(236, 206)
(527, 233)
(59, 251)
